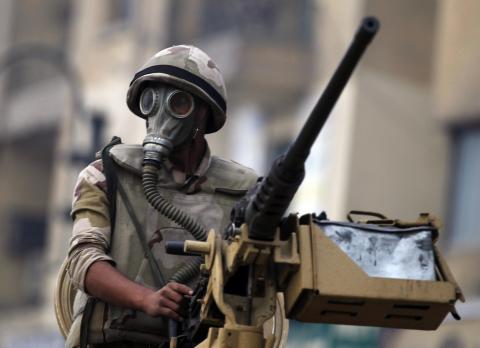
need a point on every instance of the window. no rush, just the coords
(27, 233)
(27, 171)
(465, 198)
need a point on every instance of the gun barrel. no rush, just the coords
(301, 147)
(271, 200)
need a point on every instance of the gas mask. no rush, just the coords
(170, 120)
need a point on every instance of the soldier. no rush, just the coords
(116, 255)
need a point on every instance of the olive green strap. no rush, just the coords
(86, 318)
(157, 274)
(109, 171)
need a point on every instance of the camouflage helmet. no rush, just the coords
(189, 68)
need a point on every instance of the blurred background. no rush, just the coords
(404, 137)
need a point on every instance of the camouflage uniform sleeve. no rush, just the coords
(91, 224)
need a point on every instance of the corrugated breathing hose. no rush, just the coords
(150, 181)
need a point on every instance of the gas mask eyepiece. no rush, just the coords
(149, 101)
(179, 104)
(168, 110)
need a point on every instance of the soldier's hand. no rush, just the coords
(166, 301)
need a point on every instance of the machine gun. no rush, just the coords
(263, 253)
(243, 266)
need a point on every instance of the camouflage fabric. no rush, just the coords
(91, 228)
(208, 196)
(189, 68)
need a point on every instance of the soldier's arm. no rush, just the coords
(92, 269)
(91, 224)
(105, 282)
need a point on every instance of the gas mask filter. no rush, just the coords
(170, 120)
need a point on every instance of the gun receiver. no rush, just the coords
(270, 201)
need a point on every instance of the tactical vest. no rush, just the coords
(222, 185)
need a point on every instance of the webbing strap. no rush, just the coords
(109, 171)
(157, 274)
(110, 174)
(86, 318)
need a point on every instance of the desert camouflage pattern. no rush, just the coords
(208, 195)
(91, 228)
(193, 60)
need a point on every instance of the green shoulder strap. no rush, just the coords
(112, 181)
(109, 171)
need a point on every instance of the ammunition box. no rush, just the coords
(329, 287)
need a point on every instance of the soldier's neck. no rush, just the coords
(187, 157)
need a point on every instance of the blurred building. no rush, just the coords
(403, 139)
(34, 94)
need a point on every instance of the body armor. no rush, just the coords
(211, 201)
